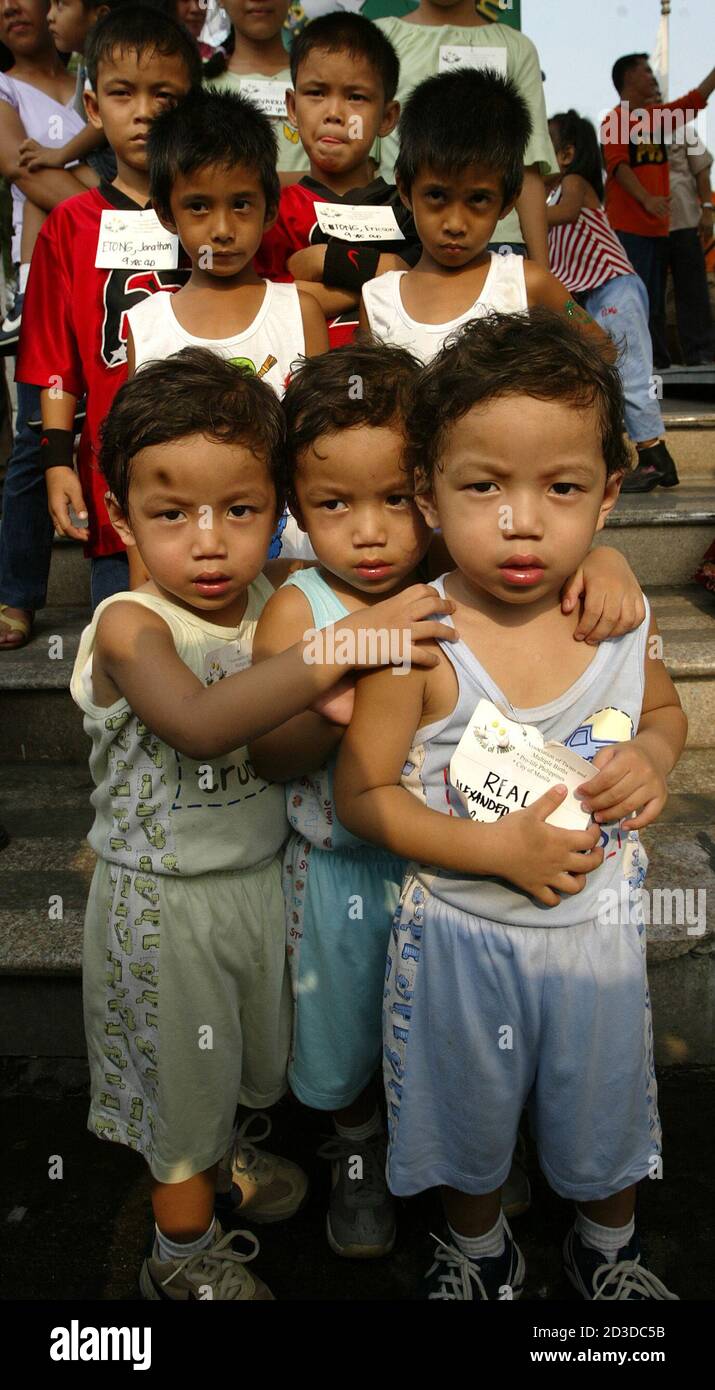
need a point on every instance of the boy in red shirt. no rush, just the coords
(345, 75)
(74, 325)
(634, 138)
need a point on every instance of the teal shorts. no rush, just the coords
(339, 907)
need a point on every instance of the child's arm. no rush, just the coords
(34, 156)
(574, 190)
(539, 859)
(64, 489)
(613, 600)
(131, 354)
(530, 206)
(137, 656)
(330, 302)
(45, 189)
(304, 742)
(314, 326)
(632, 775)
(543, 288)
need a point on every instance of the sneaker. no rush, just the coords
(627, 1279)
(217, 1273)
(455, 1276)
(263, 1186)
(656, 468)
(361, 1214)
(10, 329)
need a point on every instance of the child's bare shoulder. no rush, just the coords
(126, 633)
(283, 621)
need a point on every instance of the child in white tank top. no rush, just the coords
(214, 184)
(460, 169)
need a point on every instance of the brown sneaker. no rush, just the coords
(219, 1272)
(264, 1187)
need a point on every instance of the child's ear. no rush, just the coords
(404, 195)
(390, 117)
(294, 509)
(119, 520)
(424, 500)
(91, 106)
(167, 222)
(270, 218)
(290, 106)
(610, 497)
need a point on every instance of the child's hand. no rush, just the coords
(628, 780)
(337, 704)
(389, 633)
(33, 156)
(64, 494)
(540, 859)
(307, 264)
(613, 602)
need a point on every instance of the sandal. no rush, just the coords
(21, 625)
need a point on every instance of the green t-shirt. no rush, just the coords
(291, 155)
(418, 49)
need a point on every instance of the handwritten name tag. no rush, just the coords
(269, 97)
(352, 222)
(500, 766)
(457, 55)
(135, 241)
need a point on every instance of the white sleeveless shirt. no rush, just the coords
(269, 345)
(504, 292)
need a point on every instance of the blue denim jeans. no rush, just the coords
(620, 308)
(26, 532)
(649, 257)
(109, 575)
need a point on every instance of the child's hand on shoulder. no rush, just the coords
(541, 859)
(628, 780)
(612, 598)
(410, 619)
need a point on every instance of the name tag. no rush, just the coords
(225, 661)
(269, 97)
(135, 241)
(352, 222)
(457, 55)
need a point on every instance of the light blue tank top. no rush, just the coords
(310, 803)
(602, 707)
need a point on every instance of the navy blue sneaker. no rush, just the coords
(455, 1276)
(10, 328)
(627, 1279)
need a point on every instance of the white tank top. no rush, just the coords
(269, 345)
(504, 292)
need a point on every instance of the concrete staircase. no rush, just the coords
(45, 783)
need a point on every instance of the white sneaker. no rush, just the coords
(216, 1273)
(263, 1187)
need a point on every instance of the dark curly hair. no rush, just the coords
(191, 392)
(364, 383)
(539, 355)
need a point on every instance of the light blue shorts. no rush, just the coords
(620, 307)
(481, 1019)
(339, 904)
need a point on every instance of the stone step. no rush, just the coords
(47, 810)
(663, 534)
(685, 622)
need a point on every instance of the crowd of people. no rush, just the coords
(352, 350)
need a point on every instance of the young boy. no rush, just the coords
(458, 178)
(438, 34)
(253, 60)
(187, 1009)
(139, 61)
(348, 488)
(214, 183)
(517, 434)
(345, 74)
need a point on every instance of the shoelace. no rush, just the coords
(627, 1277)
(459, 1274)
(219, 1266)
(371, 1185)
(245, 1157)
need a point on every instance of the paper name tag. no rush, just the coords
(269, 97)
(352, 222)
(457, 55)
(500, 766)
(135, 241)
(225, 661)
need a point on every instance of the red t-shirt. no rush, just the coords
(348, 265)
(647, 157)
(74, 330)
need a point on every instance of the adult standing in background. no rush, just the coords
(691, 230)
(635, 153)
